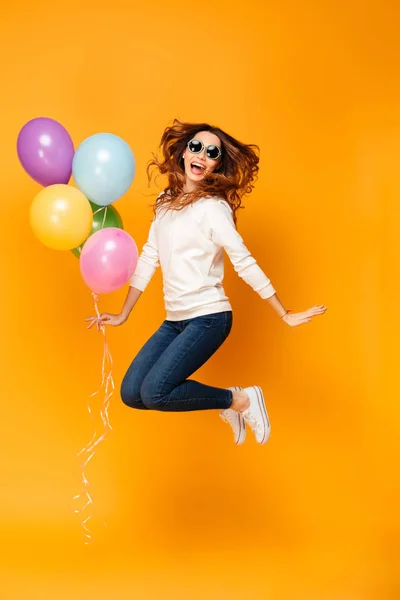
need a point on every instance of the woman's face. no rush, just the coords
(199, 165)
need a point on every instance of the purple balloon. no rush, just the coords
(108, 260)
(45, 150)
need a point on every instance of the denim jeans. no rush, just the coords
(158, 376)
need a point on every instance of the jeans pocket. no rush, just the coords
(208, 320)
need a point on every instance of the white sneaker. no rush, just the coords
(256, 415)
(235, 420)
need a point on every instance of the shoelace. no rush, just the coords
(227, 417)
(252, 421)
(230, 417)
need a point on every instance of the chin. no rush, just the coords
(194, 178)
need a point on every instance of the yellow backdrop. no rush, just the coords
(314, 514)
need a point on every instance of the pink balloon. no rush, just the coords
(108, 260)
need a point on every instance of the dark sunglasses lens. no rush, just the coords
(213, 152)
(195, 146)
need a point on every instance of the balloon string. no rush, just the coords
(99, 209)
(104, 216)
(88, 451)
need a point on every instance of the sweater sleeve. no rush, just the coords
(221, 228)
(148, 261)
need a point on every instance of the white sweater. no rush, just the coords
(189, 244)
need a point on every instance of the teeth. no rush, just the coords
(197, 165)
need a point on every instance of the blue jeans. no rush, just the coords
(158, 376)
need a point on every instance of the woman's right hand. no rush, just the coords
(106, 319)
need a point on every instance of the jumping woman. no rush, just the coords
(194, 221)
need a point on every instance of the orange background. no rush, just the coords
(314, 514)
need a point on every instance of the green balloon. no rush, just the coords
(103, 216)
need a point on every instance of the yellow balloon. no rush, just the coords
(61, 217)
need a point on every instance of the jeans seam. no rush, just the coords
(191, 400)
(226, 324)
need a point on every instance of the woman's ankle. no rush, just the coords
(240, 401)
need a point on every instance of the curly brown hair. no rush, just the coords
(232, 179)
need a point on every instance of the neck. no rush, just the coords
(189, 186)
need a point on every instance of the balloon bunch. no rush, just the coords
(82, 219)
(63, 217)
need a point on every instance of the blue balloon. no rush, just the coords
(103, 168)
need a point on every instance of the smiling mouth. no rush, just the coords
(197, 168)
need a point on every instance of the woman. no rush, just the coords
(194, 222)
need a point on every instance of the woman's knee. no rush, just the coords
(130, 394)
(149, 393)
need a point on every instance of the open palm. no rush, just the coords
(300, 318)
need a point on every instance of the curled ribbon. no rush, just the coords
(86, 454)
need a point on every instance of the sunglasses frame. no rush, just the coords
(202, 148)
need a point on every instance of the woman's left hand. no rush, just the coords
(296, 319)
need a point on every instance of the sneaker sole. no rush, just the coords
(256, 393)
(261, 403)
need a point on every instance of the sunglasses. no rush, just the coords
(197, 146)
